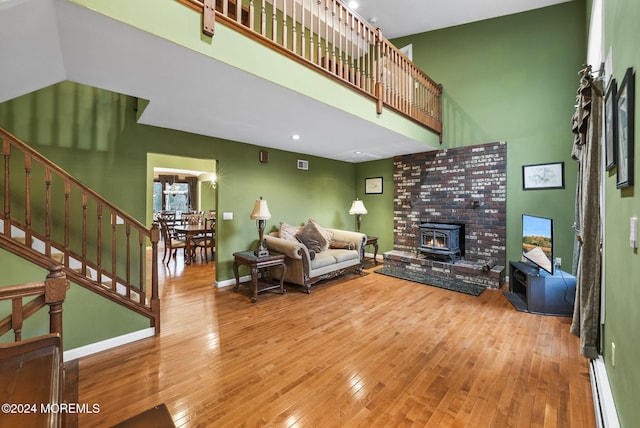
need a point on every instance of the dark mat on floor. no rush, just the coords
(435, 281)
(516, 301)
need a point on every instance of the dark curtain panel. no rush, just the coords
(587, 152)
(193, 192)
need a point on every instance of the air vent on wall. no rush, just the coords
(303, 164)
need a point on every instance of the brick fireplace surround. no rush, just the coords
(464, 185)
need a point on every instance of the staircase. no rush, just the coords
(49, 218)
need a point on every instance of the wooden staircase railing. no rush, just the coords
(31, 371)
(329, 37)
(50, 217)
(52, 292)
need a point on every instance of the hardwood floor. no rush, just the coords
(359, 351)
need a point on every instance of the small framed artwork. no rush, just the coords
(543, 176)
(373, 185)
(611, 125)
(624, 101)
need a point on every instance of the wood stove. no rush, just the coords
(440, 241)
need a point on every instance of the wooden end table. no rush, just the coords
(372, 240)
(255, 263)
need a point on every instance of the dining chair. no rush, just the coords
(171, 243)
(207, 240)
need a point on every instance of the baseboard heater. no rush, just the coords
(604, 406)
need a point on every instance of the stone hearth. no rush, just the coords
(473, 272)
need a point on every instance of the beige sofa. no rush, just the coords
(306, 266)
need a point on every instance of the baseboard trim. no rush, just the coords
(232, 281)
(604, 406)
(103, 345)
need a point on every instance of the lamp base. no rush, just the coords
(261, 252)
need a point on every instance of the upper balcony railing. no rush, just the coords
(329, 37)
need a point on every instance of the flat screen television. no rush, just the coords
(537, 241)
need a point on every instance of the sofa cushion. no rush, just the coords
(311, 237)
(288, 232)
(323, 259)
(342, 255)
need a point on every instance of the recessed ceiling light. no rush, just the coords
(353, 5)
(295, 137)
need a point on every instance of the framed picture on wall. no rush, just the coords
(373, 185)
(543, 176)
(611, 125)
(624, 101)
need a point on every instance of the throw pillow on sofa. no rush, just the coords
(288, 232)
(341, 245)
(327, 234)
(312, 238)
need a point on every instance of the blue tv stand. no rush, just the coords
(541, 292)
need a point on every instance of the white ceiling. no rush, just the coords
(43, 42)
(403, 17)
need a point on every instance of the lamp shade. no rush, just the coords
(357, 207)
(260, 210)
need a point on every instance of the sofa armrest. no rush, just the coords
(358, 239)
(294, 250)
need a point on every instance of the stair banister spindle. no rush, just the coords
(303, 40)
(284, 24)
(319, 42)
(274, 22)
(333, 38)
(263, 19)
(251, 17)
(128, 235)
(84, 234)
(141, 267)
(6, 153)
(155, 299)
(239, 11)
(67, 220)
(47, 210)
(16, 318)
(294, 28)
(114, 246)
(27, 201)
(326, 34)
(377, 79)
(99, 242)
(340, 38)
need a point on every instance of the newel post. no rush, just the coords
(155, 298)
(378, 71)
(55, 291)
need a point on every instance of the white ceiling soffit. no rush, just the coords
(30, 56)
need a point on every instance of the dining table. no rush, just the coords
(189, 231)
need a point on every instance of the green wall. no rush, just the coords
(622, 263)
(379, 218)
(93, 135)
(514, 79)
